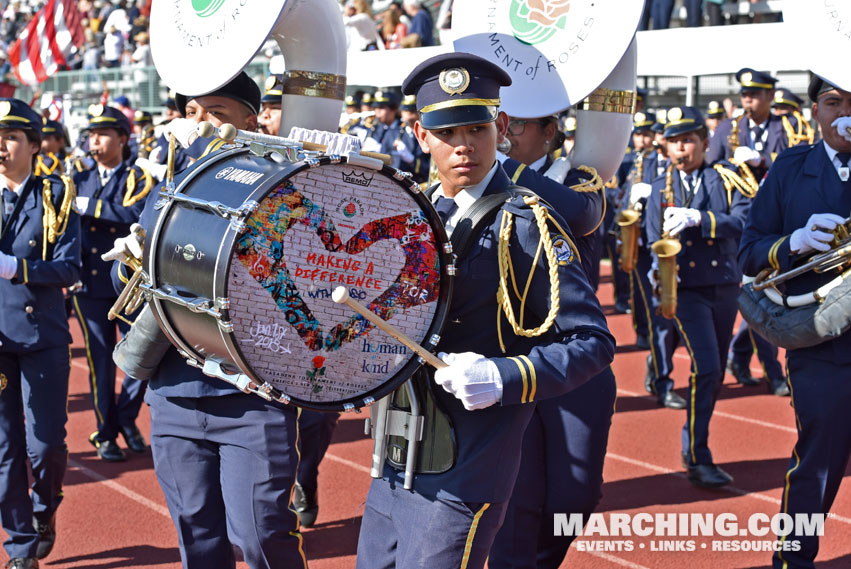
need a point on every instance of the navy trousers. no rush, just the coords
(564, 448)
(403, 529)
(660, 11)
(620, 279)
(315, 429)
(227, 468)
(33, 413)
(821, 395)
(100, 337)
(746, 343)
(705, 318)
(694, 13)
(662, 331)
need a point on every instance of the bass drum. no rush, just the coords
(244, 257)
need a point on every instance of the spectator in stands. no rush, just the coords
(122, 103)
(421, 30)
(694, 13)
(113, 46)
(392, 29)
(361, 30)
(713, 10)
(660, 11)
(5, 68)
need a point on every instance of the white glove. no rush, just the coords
(816, 234)
(8, 266)
(126, 247)
(747, 154)
(679, 218)
(184, 130)
(843, 127)
(156, 170)
(403, 152)
(470, 377)
(82, 204)
(638, 191)
(370, 145)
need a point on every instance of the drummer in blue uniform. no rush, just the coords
(567, 434)
(805, 196)
(451, 517)
(39, 255)
(706, 215)
(226, 461)
(110, 197)
(269, 119)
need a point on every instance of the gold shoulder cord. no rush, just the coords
(129, 197)
(746, 184)
(506, 269)
(592, 185)
(55, 224)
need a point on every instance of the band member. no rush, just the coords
(786, 104)
(450, 518)
(386, 130)
(569, 135)
(143, 139)
(51, 159)
(699, 206)
(269, 119)
(226, 462)
(806, 194)
(410, 156)
(39, 255)
(567, 434)
(715, 113)
(110, 197)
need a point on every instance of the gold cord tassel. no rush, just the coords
(55, 224)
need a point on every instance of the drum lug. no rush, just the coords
(312, 162)
(348, 407)
(434, 340)
(447, 248)
(450, 269)
(335, 158)
(222, 303)
(226, 326)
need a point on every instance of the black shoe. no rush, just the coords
(741, 373)
(107, 450)
(779, 387)
(22, 563)
(306, 505)
(46, 536)
(642, 342)
(708, 476)
(622, 308)
(649, 376)
(671, 400)
(134, 439)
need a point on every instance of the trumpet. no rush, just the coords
(666, 249)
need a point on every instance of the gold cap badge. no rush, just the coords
(640, 118)
(96, 110)
(454, 80)
(714, 106)
(5, 108)
(675, 114)
(270, 82)
(747, 77)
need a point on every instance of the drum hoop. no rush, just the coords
(224, 260)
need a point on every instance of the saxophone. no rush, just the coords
(666, 249)
(628, 220)
(733, 144)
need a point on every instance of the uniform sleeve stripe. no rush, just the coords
(533, 377)
(711, 224)
(524, 377)
(98, 207)
(26, 271)
(517, 172)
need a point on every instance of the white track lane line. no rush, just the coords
(124, 491)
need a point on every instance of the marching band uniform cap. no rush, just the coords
(715, 110)
(352, 101)
(456, 89)
(15, 113)
(101, 116)
(643, 121)
(659, 125)
(50, 127)
(784, 96)
(169, 101)
(241, 88)
(142, 117)
(366, 99)
(385, 99)
(274, 89)
(409, 103)
(570, 126)
(641, 93)
(818, 86)
(682, 120)
(752, 80)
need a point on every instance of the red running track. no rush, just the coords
(114, 515)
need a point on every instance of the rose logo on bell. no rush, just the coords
(536, 21)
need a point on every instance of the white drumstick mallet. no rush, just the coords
(341, 296)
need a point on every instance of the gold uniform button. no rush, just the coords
(94, 250)
(691, 264)
(112, 230)
(689, 243)
(710, 242)
(714, 263)
(94, 272)
(32, 243)
(92, 229)
(28, 309)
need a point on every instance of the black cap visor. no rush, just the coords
(462, 115)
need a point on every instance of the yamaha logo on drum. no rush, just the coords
(238, 175)
(357, 179)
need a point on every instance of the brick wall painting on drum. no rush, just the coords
(329, 226)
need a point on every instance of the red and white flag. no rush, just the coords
(47, 41)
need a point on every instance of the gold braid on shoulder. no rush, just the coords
(129, 197)
(592, 185)
(56, 223)
(804, 132)
(746, 183)
(506, 271)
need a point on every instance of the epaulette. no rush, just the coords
(137, 176)
(56, 213)
(592, 184)
(43, 168)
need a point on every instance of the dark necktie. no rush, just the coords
(9, 199)
(445, 208)
(844, 172)
(757, 138)
(689, 186)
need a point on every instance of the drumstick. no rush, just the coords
(341, 296)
